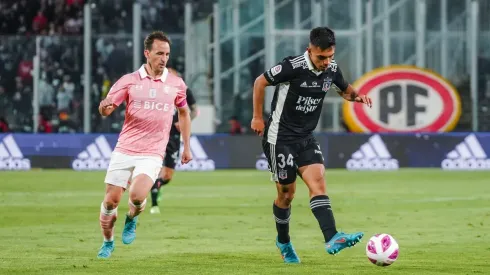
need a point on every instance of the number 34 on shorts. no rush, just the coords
(285, 159)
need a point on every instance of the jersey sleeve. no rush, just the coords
(181, 98)
(282, 72)
(120, 90)
(191, 100)
(338, 78)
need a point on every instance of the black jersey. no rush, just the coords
(298, 97)
(191, 100)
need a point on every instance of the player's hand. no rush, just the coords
(106, 104)
(186, 155)
(365, 100)
(258, 126)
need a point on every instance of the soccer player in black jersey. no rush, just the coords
(288, 143)
(171, 152)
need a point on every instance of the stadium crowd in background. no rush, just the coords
(20, 22)
(60, 22)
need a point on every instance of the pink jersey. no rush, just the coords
(149, 110)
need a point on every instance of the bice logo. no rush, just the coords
(373, 155)
(96, 156)
(152, 105)
(11, 157)
(468, 155)
(199, 162)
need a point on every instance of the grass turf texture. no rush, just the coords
(221, 223)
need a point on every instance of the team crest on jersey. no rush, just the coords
(276, 69)
(282, 174)
(326, 84)
(153, 93)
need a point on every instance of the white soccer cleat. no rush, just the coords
(155, 210)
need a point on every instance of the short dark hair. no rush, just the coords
(322, 37)
(156, 35)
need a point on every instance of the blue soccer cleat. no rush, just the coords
(129, 232)
(106, 250)
(288, 253)
(342, 240)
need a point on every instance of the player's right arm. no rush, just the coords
(118, 93)
(282, 72)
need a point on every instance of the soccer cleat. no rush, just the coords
(155, 210)
(106, 250)
(129, 232)
(288, 253)
(342, 240)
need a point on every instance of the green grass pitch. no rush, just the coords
(221, 223)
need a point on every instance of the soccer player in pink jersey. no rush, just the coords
(151, 94)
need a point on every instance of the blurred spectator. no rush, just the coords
(40, 22)
(4, 101)
(235, 126)
(24, 69)
(63, 100)
(4, 126)
(74, 2)
(46, 92)
(68, 86)
(45, 125)
(22, 99)
(46, 97)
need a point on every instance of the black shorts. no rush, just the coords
(172, 152)
(285, 159)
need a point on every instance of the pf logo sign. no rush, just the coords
(405, 99)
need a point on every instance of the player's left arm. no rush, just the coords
(185, 131)
(347, 91)
(185, 124)
(184, 121)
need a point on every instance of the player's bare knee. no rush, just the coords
(110, 204)
(136, 199)
(288, 199)
(111, 200)
(285, 200)
(286, 196)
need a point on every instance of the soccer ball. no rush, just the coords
(382, 249)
